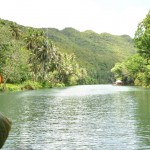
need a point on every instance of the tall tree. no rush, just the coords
(14, 64)
(16, 32)
(142, 37)
(45, 55)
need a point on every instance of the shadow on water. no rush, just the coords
(143, 117)
(78, 117)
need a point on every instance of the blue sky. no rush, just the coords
(113, 16)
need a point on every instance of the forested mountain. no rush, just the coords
(51, 56)
(31, 60)
(96, 52)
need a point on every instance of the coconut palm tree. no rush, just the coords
(16, 32)
(30, 39)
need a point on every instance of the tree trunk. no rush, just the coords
(4, 85)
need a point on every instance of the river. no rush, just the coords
(89, 117)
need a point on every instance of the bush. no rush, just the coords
(30, 85)
(11, 87)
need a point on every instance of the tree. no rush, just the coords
(16, 32)
(46, 55)
(14, 64)
(127, 70)
(43, 54)
(33, 40)
(142, 37)
(30, 39)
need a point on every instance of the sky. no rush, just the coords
(117, 17)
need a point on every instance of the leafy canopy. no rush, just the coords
(142, 37)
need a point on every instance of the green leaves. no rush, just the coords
(128, 70)
(138, 66)
(45, 59)
(96, 52)
(142, 37)
(15, 30)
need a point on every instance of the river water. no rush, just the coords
(89, 117)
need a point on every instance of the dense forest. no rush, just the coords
(35, 58)
(29, 58)
(136, 69)
(96, 52)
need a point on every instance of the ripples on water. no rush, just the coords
(80, 117)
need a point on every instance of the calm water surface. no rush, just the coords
(95, 117)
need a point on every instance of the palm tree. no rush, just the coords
(30, 39)
(47, 57)
(35, 43)
(16, 32)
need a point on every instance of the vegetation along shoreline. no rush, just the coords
(32, 58)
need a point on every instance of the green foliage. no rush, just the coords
(134, 70)
(137, 68)
(142, 37)
(31, 85)
(27, 55)
(118, 71)
(128, 70)
(13, 63)
(96, 52)
(13, 88)
(15, 30)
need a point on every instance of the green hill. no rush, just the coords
(96, 52)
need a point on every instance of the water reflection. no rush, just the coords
(79, 117)
(143, 117)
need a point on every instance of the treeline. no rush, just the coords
(35, 58)
(136, 69)
(30, 58)
(98, 53)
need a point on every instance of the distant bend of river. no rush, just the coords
(88, 117)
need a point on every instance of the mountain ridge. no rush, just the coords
(96, 52)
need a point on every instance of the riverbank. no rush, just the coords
(28, 85)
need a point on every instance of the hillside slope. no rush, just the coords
(96, 52)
